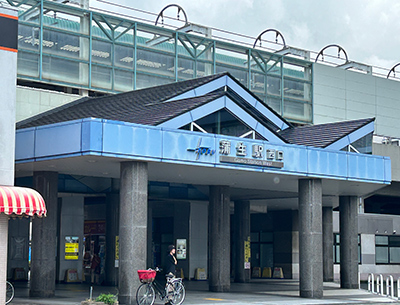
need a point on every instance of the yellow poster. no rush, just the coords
(116, 247)
(247, 253)
(71, 247)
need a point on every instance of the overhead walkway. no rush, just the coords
(276, 292)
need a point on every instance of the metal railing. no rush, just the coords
(376, 285)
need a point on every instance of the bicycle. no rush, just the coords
(9, 292)
(174, 290)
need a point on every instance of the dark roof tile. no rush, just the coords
(322, 135)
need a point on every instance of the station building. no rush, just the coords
(138, 136)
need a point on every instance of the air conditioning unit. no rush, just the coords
(395, 142)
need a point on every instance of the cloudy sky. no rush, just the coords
(368, 30)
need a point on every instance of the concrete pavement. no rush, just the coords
(263, 291)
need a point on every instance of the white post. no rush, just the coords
(379, 284)
(398, 288)
(389, 286)
(371, 282)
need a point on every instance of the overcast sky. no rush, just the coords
(369, 30)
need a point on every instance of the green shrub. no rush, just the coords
(107, 298)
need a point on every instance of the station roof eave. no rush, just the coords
(96, 147)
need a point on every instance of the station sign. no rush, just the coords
(241, 152)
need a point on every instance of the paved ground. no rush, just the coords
(272, 292)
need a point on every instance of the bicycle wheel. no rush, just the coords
(145, 294)
(9, 292)
(179, 293)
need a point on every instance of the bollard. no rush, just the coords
(389, 286)
(379, 284)
(371, 283)
(398, 288)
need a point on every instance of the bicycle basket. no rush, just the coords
(146, 276)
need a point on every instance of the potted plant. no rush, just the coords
(103, 298)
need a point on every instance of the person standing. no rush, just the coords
(170, 267)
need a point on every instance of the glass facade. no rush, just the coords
(72, 47)
(362, 145)
(336, 248)
(387, 249)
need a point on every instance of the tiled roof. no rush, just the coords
(126, 107)
(150, 106)
(322, 135)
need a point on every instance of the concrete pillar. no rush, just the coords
(348, 222)
(327, 232)
(310, 238)
(112, 219)
(44, 238)
(8, 64)
(241, 238)
(219, 239)
(132, 228)
(150, 256)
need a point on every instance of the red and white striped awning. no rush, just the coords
(21, 201)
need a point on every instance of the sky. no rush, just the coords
(368, 30)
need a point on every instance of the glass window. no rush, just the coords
(145, 81)
(222, 122)
(239, 74)
(381, 255)
(123, 56)
(274, 86)
(266, 237)
(28, 64)
(297, 110)
(275, 104)
(387, 249)
(382, 240)
(394, 253)
(336, 248)
(297, 90)
(204, 69)
(255, 237)
(157, 63)
(364, 145)
(123, 80)
(28, 37)
(262, 249)
(257, 83)
(297, 71)
(185, 68)
(101, 52)
(65, 45)
(101, 77)
(52, 67)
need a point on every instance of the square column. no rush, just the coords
(132, 228)
(310, 238)
(348, 222)
(219, 239)
(44, 238)
(327, 231)
(241, 237)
